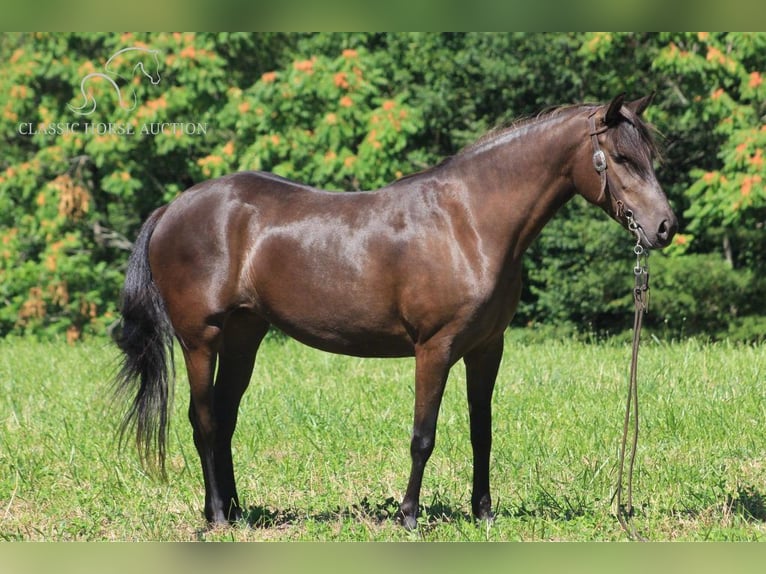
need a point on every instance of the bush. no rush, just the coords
(701, 293)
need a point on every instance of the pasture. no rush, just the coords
(321, 449)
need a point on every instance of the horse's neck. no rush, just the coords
(517, 183)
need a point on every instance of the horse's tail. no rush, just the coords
(146, 340)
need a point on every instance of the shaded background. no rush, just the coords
(355, 111)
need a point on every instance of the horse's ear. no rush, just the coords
(612, 116)
(638, 106)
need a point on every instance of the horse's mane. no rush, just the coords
(647, 133)
(494, 133)
(520, 123)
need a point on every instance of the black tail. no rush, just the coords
(146, 339)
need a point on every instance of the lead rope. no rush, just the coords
(641, 303)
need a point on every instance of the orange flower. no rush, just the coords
(346, 102)
(703, 36)
(18, 91)
(269, 77)
(709, 177)
(159, 103)
(350, 54)
(244, 107)
(757, 159)
(228, 149)
(714, 54)
(188, 52)
(389, 105)
(747, 185)
(717, 94)
(755, 79)
(680, 239)
(304, 65)
(331, 119)
(349, 161)
(340, 80)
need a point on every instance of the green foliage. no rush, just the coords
(355, 111)
(322, 120)
(724, 70)
(75, 186)
(700, 294)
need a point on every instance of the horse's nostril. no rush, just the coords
(666, 230)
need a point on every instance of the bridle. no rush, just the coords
(641, 304)
(601, 167)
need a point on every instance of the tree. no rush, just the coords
(719, 80)
(76, 182)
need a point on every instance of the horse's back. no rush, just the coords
(319, 265)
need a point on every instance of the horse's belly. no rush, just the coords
(358, 344)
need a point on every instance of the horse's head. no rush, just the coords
(621, 178)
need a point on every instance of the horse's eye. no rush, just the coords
(619, 158)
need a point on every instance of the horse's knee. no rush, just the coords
(421, 446)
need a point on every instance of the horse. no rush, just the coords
(428, 266)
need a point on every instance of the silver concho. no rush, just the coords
(599, 161)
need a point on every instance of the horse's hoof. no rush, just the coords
(235, 516)
(483, 513)
(486, 518)
(410, 523)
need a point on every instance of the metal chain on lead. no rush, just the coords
(641, 269)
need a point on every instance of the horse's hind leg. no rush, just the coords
(243, 334)
(200, 359)
(213, 409)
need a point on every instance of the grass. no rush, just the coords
(321, 450)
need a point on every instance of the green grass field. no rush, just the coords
(321, 450)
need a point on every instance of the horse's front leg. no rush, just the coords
(431, 370)
(481, 367)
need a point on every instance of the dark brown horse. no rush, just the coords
(428, 266)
